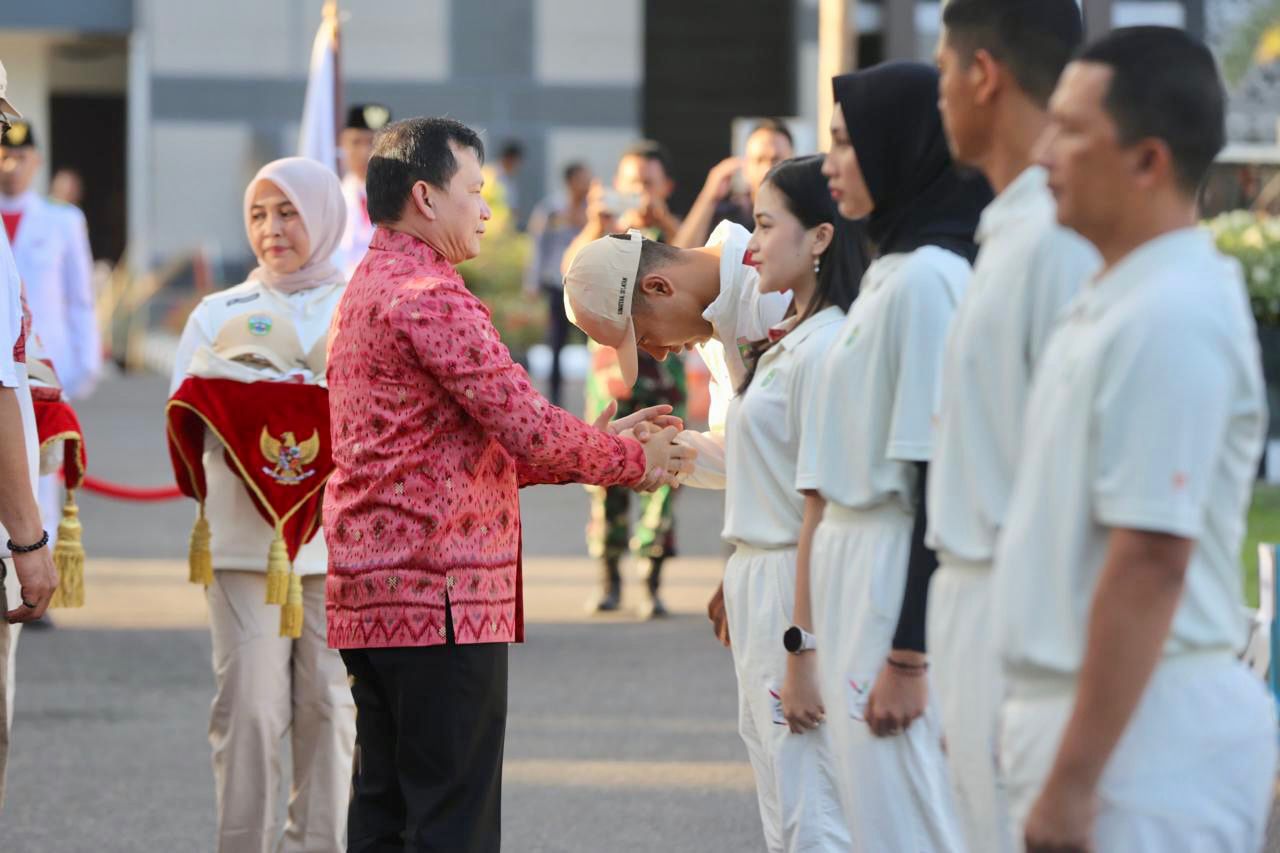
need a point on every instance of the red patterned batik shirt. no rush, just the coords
(434, 431)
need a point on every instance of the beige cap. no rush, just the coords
(598, 289)
(260, 340)
(41, 374)
(318, 357)
(5, 104)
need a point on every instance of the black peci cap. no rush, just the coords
(19, 135)
(368, 117)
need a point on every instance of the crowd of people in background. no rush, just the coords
(986, 411)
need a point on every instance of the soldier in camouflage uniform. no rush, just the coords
(609, 531)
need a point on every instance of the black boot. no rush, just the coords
(653, 607)
(611, 588)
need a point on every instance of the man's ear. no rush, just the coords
(986, 76)
(420, 196)
(655, 284)
(1153, 162)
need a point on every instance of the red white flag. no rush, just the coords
(318, 136)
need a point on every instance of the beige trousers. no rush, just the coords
(269, 686)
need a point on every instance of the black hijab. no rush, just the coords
(921, 198)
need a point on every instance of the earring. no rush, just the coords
(817, 264)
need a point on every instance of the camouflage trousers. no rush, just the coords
(609, 533)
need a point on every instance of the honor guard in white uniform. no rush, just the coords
(865, 445)
(273, 326)
(1028, 267)
(356, 143)
(1129, 725)
(50, 243)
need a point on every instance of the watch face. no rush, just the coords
(791, 640)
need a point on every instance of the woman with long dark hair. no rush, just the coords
(800, 246)
(864, 451)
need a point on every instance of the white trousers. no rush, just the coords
(269, 686)
(1193, 772)
(969, 685)
(896, 791)
(795, 776)
(50, 495)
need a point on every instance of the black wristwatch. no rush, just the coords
(796, 640)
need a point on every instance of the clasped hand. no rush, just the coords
(655, 428)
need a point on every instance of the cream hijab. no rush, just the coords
(317, 195)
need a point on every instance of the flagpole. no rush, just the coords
(318, 133)
(331, 14)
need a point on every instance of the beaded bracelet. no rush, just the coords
(27, 549)
(907, 668)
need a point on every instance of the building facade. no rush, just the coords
(167, 107)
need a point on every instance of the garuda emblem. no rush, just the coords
(288, 456)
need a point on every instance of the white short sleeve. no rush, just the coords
(10, 316)
(1160, 414)
(194, 335)
(922, 310)
(1063, 262)
(802, 414)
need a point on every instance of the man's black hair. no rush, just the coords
(412, 150)
(649, 149)
(774, 125)
(1034, 39)
(1165, 85)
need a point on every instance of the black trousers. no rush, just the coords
(557, 335)
(430, 728)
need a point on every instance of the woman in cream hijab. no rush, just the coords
(273, 327)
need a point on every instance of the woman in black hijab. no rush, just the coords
(862, 553)
(887, 136)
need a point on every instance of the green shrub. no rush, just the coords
(1254, 241)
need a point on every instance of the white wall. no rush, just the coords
(589, 41)
(100, 67)
(598, 148)
(199, 172)
(395, 39)
(26, 62)
(381, 39)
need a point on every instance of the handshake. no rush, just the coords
(666, 462)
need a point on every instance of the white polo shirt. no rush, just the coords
(872, 409)
(240, 536)
(13, 373)
(1028, 268)
(762, 442)
(1148, 412)
(10, 315)
(739, 316)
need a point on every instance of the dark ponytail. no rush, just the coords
(804, 188)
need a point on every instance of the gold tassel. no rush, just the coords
(277, 571)
(291, 613)
(68, 556)
(200, 556)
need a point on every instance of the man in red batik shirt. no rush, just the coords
(434, 431)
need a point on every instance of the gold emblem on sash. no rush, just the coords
(288, 456)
